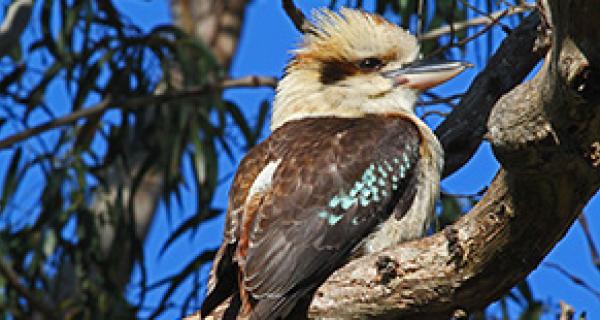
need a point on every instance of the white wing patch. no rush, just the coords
(263, 180)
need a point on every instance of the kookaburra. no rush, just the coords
(348, 169)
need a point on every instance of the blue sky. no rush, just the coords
(267, 38)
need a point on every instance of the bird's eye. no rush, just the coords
(370, 63)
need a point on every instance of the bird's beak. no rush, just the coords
(424, 75)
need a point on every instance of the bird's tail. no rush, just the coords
(292, 306)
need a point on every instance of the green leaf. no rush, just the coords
(241, 123)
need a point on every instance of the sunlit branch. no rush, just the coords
(110, 103)
(566, 311)
(488, 20)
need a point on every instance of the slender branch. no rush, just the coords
(590, 240)
(37, 304)
(434, 113)
(434, 99)
(468, 39)
(420, 18)
(483, 20)
(573, 278)
(109, 103)
(15, 21)
(566, 311)
(298, 18)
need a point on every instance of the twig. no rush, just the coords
(576, 280)
(434, 113)
(590, 241)
(436, 99)
(298, 18)
(483, 20)
(479, 193)
(37, 304)
(109, 103)
(566, 311)
(420, 18)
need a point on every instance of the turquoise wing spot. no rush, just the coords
(375, 190)
(405, 159)
(334, 202)
(369, 188)
(334, 219)
(366, 193)
(402, 172)
(347, 202)
(376, 197)
(381, 171)
(364, 202)
(388, 166)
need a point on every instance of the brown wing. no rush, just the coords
(336, 180)
(223, 281)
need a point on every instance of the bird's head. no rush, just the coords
(352, 64)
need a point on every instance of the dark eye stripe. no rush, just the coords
(370, 64)
(333, 71)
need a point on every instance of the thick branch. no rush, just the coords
(109, 103)
(463, 130)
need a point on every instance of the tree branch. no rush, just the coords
(482, 20)
(462, 131)
(37, 304)
(15, 21)
(300, 21)
(589, 239)
(109, 103)
(573, 278)
(566, 311)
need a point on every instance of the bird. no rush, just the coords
(348, 170)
